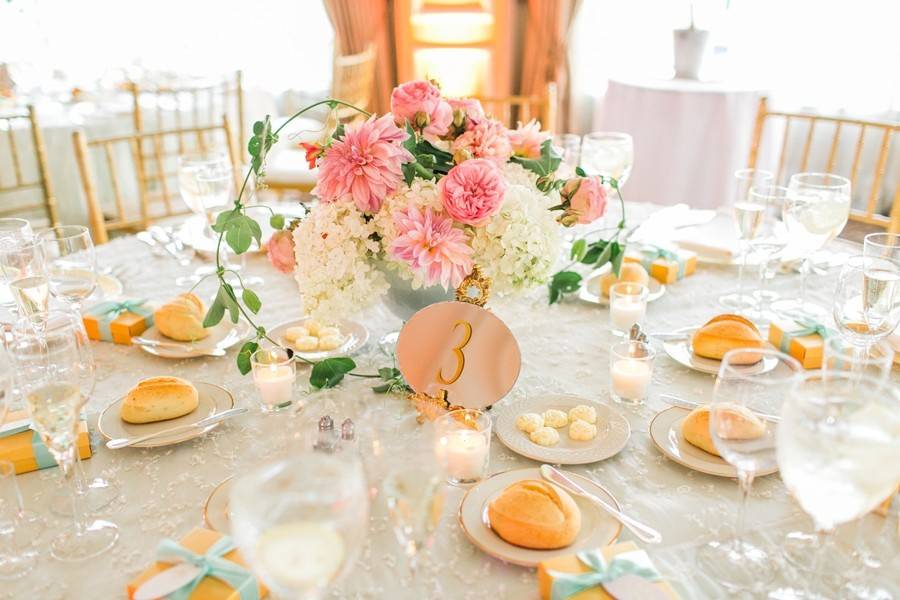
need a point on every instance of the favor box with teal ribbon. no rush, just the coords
(805, 343)
(664, 265)
(25, 450)
(118, 320)
(581, 576)
(221, 572)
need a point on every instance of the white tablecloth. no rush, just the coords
(564, 349)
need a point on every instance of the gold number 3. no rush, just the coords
(458, 352)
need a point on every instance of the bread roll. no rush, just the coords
(727, 332)
(535, 514)
(630, 271)
(159, 399)
(736, 423)
(182, 318)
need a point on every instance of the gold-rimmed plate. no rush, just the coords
(591, 291)
(222, 336)
(680, 351)
(598, 528)
(212, 399)
(215, 509)
(665, 431)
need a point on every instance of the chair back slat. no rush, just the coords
(352, 81)
(832, 152)
(22, 185)
(511, 109)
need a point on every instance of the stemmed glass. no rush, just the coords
(837, 448)
(840, 355)
(569, 147)
(12, 232)
(815, 212)
(608, 153)
(14, 562)
(742, 428)
(771, 238)
(49, 375)
(867, 300)
(301, 522)
(24, 268)
(749, 214)
(71, 263)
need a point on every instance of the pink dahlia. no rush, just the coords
(487, 139)
(466, 111)
(431, 245)
(587, 198)
(420, 103)
(472, 191)
(365, 164)
(526, 140)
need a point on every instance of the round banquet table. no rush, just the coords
(564, 349)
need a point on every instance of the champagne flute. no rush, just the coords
(837, 448)
(48, 374)
(770, 240)
(608, 153)
(12, 232)
(867, 300)
(24, 268)
(300, 523)
(71, 263)
(743, 398)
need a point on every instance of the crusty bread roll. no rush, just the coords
(727, 332)
(736, 423)
(630, 271)
(182, 318)
(159, 399)
(535, 514)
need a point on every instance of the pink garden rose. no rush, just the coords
(432, 246)
(487, 139)
(472, 191)
(469, 109)
(280, 251)
(587, 198)
(364, 165)
(420, 103)
(526, 140)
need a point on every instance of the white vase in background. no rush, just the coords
(690, 46)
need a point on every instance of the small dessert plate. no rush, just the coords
(681, 352)
(598, 528)
(215, 510)
(221, 337)
(613, 431)
(213, 399)
(665, 431)
(591, 292)
(355, 336)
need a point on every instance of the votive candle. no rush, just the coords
(627, 306)
(630, 371)
(463, 445)
(274, 373)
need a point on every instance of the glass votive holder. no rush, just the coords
(463, 445)
(840, 355)
(274, 372)
(630, 371)
(627, 306)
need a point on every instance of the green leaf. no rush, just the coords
(254, 145)
(258, 127)
(241, 230)
(225, 296)
(593, 252)
(409, 172)
(580, 172)
(388, 373)
(618, 254)
(251, 300)
(214, 314)
(545, 165)
(276, 222)
(338, 132)
(605, 255)
(329, 372)
(243, 357)
(563, 282)
(382, 389)
(223, 218)
(578, 249)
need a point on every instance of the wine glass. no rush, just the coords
(71, 263)
(840, 355)
(569, 147)
(608, 153)
(867, 300)
(12, 232)
(301, 522)
(815, 212)
(837, 448)
(746, 402)
(771, 239)
(749, 214)
(49, 374)
(24, 268)
(14, 561)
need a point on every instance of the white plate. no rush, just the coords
(665, 431)
(680, 351)
(213, 399)
(224, 335)
(109, 286)
(613, 431)
(598, 528)
(592, 293)
(215, 511)
(355, 337)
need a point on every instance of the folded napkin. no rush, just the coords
(714, 240)
(664, 223)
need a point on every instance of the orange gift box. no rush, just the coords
(198, 541)
(118, 321)
(570, 564)
(808, 349)
(27, 452)
(665, 266)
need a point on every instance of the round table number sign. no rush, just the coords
(461, 348)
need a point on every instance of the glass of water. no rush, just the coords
(12, 232)
(71, 263)
(867, 300)
(608, 153)
(770, 240)
(23, 266)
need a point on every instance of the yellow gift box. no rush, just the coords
(805, 343)
(118, 321)
(27, 452)
(199, 541)
(570, 564)
(665, 266)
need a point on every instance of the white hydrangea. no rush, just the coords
(519, 246)
(516, 174)
(335, 271)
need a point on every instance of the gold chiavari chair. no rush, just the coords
(542, 107)
(125, 212)
(884, 132)
(21, 184)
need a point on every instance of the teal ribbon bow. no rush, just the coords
(107, 312)
(808, 326)
(566, 585)
(211, 564)
(651, 253)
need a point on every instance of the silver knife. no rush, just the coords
(142, 341)
(201, 424)
(691, 405)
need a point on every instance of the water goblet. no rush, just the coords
(839, 355)
(608, 153)
(71, 263)
(569, 147)
(24, 268)
(770, 240)
(12, 231)
(867, 300)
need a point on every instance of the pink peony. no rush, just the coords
(487, 139)
(364, 165)
(466, 110)
(431, 245)
(526, 140)
(280, 251)
(472, 191)
(420, 103)
(587, 198)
